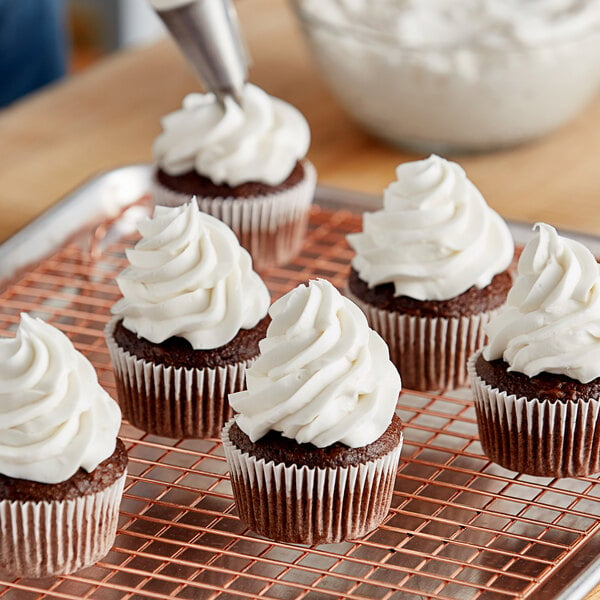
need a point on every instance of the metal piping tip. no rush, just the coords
(207, 33)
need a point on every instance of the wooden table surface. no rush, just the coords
(108, 116)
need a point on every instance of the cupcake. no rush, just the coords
(244, 164)
(537, 382)
(314, 448)
(430, 269)
(62, 468)
(188, 325)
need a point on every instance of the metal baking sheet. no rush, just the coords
(460, 527)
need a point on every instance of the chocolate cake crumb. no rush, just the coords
(544, 386)
(274, 447)
(80, 484)
(178, 352)
(192, 183)
(473, 301)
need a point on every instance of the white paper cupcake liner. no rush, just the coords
(41, 539)
(174, 402)
(305, 505)
(271, 227)
(430, 353)
(538, 437)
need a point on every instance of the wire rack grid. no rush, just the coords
(460, 527)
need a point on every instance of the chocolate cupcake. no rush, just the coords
(62, 468)
(430, 270)
(537, 382)
(245, 165)
(188, 325)
(314, 450)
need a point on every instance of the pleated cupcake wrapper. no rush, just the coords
(430, 353)
(271, 227)
(538, 437)
(310, 505)
(57, 537)
(174, 402)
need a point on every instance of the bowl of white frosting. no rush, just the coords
(465, 75)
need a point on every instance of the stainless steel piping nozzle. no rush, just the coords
(208, 34)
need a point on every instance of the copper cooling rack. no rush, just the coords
(460, 527)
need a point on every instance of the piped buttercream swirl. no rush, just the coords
(323, 376)
(435, 237)
(551, 320)
(260, 141)
(189, 277)
(54, 415)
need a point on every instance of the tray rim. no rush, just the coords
(102, 195)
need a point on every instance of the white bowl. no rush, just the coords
(453, 97)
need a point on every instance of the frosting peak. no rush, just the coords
(54, 415)
(435, 237)
(323, 376)
(260, 141)
(189, 277)
(551, 320)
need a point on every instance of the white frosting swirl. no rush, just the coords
(551, 320)
(54, 416)
(261, 141)
(435, 237)
(189, 277)
(322, 377)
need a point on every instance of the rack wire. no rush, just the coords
(460, 527)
